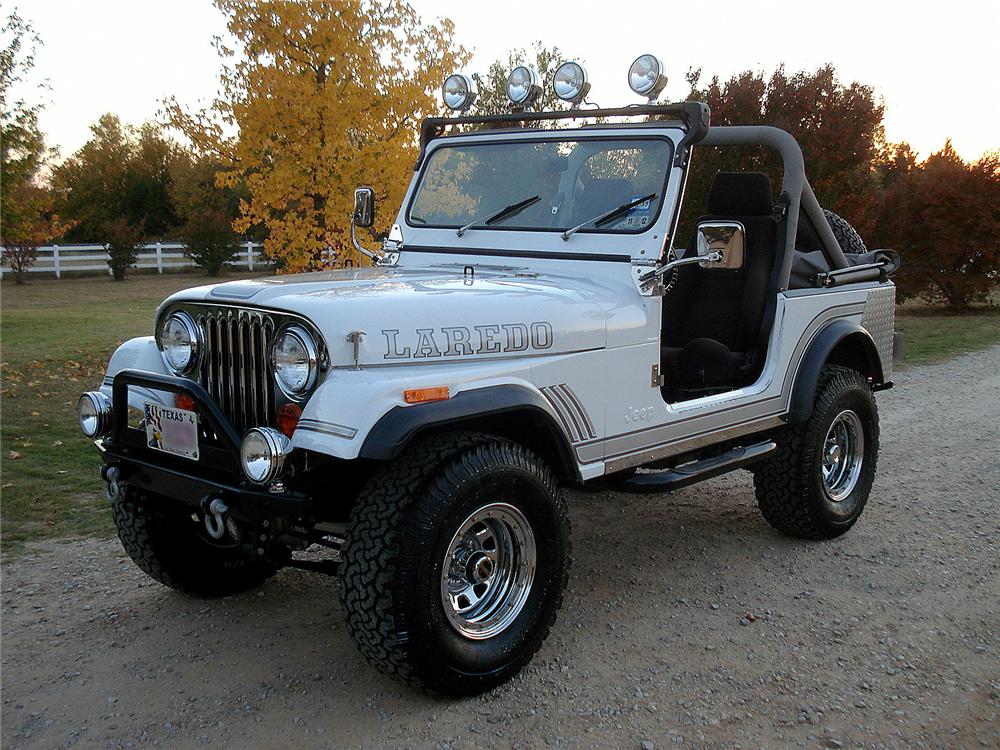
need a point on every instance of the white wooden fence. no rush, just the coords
(60, 259)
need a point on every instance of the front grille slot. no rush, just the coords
(234, 366)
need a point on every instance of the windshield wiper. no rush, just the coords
(609, 216)
(504, 213)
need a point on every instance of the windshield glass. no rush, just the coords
(576, 181)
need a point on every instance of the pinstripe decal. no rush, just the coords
(571, 413)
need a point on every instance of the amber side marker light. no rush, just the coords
(288, 419)
(423, 395)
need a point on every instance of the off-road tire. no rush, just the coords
(847, 236)
(164, 542)
(789, 485)
(397, 536)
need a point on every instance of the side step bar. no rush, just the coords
(696, 471)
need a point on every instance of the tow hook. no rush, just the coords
(112, 482)
(215, 521)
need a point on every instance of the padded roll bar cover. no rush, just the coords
(817, 355)
(793, 185)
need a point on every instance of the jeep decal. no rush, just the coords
(457, 341)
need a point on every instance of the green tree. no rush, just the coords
(121, 172)
(492, 85)
(123, 240)
(206, 211)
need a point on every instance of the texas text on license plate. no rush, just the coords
(172, 430)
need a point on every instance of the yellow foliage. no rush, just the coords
(326, 95)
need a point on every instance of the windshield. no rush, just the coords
(579, 181)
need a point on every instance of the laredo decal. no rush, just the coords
(458, 341)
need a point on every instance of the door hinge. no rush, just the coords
(656, 379)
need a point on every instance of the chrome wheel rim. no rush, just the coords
(488, 570)
(843, 454)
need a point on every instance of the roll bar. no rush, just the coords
(796, 192)
(695, 116)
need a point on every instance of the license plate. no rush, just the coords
(172, 430)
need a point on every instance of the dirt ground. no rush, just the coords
(688, 623)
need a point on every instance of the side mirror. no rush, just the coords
(725, 237)
(364, 207)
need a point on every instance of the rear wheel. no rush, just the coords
(816, 485)
(456, 559)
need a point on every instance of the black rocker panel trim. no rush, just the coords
(818, 354)
(397, 427)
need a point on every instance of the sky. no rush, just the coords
(934, 64)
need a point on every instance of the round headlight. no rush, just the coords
(263, 454)
(294, 357)
(93, 411)
(570, 82)
(523, 86)
(646, 76)
(180, 343)
(459, 91)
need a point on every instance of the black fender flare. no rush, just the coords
(493, 404)
(819, 352)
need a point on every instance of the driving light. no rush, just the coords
(263, 454)
(570, 82)
(180, 343)
(459, 92)
(646, 76)
(93, 411)
(523, 86)
(294, 358)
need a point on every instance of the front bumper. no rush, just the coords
(216, 474)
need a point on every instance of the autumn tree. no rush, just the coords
(121, 172)
(26, 217)
(944, 217)
(325, 97)
(838, 125)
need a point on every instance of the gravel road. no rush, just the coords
(688, 623)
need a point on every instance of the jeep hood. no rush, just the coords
(432, 314)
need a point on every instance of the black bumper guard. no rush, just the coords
(217, 473)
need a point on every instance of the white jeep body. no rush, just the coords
(565, 320)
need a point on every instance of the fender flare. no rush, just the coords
(398, 426)
(818, 354)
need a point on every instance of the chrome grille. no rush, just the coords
(234, 366)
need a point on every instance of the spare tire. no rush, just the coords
(847, 236)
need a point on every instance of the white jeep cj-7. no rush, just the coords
(531, 322)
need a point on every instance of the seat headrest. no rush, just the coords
(740, 194)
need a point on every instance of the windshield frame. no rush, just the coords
(627, 135)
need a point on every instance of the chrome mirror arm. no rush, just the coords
(370, 254)
(652, 276)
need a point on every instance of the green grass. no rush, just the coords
(931, 335)
(56, 339)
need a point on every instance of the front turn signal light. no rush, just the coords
(288, 419)
(423, 395)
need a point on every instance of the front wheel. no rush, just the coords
(456, 559)
(816, 485)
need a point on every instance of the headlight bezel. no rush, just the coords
(195, 338)
(102, 413)
(309, 344)
(652, 87)
(276, 448)
(469, 97)
(581, 91)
